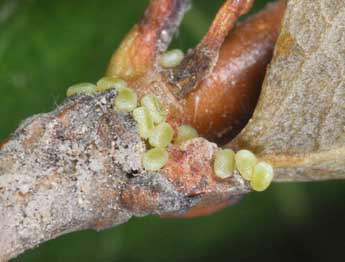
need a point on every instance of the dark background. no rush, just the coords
(45, 46)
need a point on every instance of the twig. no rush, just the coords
(79, 167)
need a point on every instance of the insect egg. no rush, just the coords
(184, 133)
(245, 163)
(145, 124)
(161, 135)
(155, 159)
(107, 82)
(126, 100)
(262, 176)
(155, 107)
(171, 58)
(224, 163)
(81, 88)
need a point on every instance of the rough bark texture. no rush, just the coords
(80, 167)
(299, 122)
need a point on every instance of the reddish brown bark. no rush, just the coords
(198, 62)
(137, 54)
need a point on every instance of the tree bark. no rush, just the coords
(79, 167)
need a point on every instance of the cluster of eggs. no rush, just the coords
(260, 174)
(150, 117)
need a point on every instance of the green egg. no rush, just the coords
(155, 159)
(81, 88)
(109, 82)
(126, 100)
(245, 163)
(161, 135)
(184, 133)
(156, 109)
(262, 176)
(144, 122)
(171, 58)
(224, 163)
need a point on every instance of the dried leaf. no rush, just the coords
(299, 123)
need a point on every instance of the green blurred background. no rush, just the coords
(46, 46)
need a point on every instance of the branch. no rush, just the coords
(79, 167)
(201, 60)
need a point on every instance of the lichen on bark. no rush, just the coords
(79, 167)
